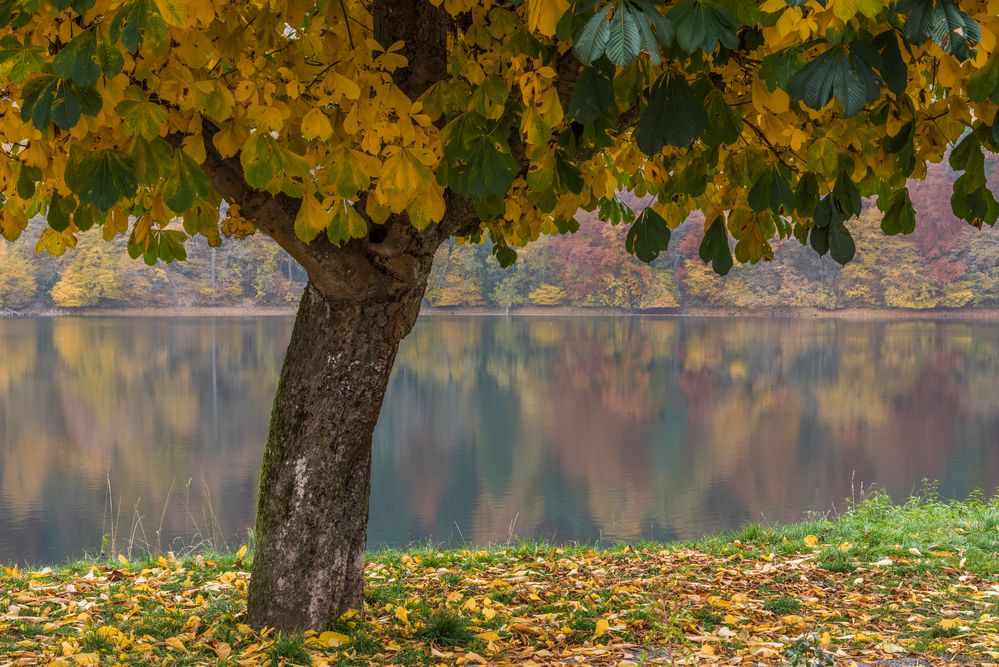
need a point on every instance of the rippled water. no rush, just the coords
(150, 430)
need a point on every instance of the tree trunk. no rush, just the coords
(312, 510)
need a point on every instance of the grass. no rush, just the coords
(879, 581)
(447, 629)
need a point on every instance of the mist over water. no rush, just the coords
(593, 428)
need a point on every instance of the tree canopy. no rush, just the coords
(773, 118)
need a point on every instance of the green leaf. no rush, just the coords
(773, 191)
(505, 255)
(777, 69)
(724, 125)
(22, 60)
(943, 22)
(79, 6)
(674, 116)
(806, 196)
(66, 107)
(171, 245)
(186, 183)
(984, 84)
(47, 99)
(60, 212)
(847, 197)
(139, 115)
(592, 95)
(568, 177)
(892, 67)
(27, 177)
(490, 169)
(614, 211)
(86, 216)
(841, 245)
(903, 145)
(102, 178)
(818, 238)
(700, 25)
(714, 247)
(900, 218)
(258, 158)
(591, 42)
(624, 41)
(840, 72)
(77, 60)
(136, 21)
(152, 159)
(109, 59)
(36, 97)
(648, 236)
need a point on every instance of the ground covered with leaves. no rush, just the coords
(915, 583)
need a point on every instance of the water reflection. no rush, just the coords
(571, 429)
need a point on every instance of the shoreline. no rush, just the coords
(852, 314)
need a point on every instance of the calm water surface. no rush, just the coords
(150, 431)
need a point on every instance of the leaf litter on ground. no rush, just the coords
(884, 584)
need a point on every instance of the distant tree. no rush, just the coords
(547, 295)
(17, 279)
(90, 276)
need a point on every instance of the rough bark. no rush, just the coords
(362, 299)
(312, 510)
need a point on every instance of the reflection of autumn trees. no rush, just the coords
(148, 403)
(571, 427)
(661, 423)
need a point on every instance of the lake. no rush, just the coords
(148, 432)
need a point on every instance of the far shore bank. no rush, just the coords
(872, 314)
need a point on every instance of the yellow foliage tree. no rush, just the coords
(361, 135)
(547, 295)
(17, 281)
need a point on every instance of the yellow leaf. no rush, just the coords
(402, 614)
(174, 13)
(230, 138)
(194, 146)
(313, 216)
(87, 659)
(123, 560)
(173, 642)
(241, 551)
(403, 178)
(543, 15)
(426, 208)
(315, 125)
(536, 130)
(602, 627)
(949, 623)
(811, 540)
(490, 636)
(345, 87)
(333, 639)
